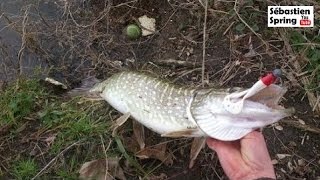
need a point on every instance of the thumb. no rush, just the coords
(223, 146)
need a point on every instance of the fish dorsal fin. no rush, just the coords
(85, 89)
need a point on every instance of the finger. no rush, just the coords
(228, 153)
(212, 143)
(218, 145)
(254, 148)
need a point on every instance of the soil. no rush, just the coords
(179, 36)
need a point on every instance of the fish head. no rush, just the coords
(264, 108)
(258, 111)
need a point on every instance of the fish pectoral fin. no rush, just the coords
(119, 122)
(181, 133)
(196, 146)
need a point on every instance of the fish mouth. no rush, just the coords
(257, 111)
(270, 97)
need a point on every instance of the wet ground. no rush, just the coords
(15, 58)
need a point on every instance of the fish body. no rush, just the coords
(158, 105)
(176, 111)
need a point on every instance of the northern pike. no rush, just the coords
(179, 111)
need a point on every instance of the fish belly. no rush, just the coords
(158, 105)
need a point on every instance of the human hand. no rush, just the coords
(247, 158)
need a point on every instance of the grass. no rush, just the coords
(26, 103)
(18, 101)
(24, 169)
(69, 131)
(307, 43)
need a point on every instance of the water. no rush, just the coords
(12, 13)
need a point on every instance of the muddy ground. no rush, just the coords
(88, 39)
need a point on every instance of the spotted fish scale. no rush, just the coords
(159, 105)
(177, 111)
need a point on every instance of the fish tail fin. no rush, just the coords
(85, 89)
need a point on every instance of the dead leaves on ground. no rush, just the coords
(49, 140)
(158, 151)
(102, 169)
(138, 131)
(292, 164)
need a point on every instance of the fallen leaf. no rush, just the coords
(278, 127)
(96, 170)
(301, 162)
(49, 140)
(301, 122)
(292, 144)
(56, 83)
(156, 152)
(138, 131)
(251, 53)
(282, 156)
(290, 166)
(282, 170)
(274, 161)
(148, 25)
(131, 144)
(238, 37)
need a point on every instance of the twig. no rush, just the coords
(124, 4)
(42, 18)
(316, 104)
(292, 152)
(54, 159)
(204, 41)
(186, 73)
(303, 127)
(105, 13)
(106, 156)
(171, 62)
(203, 5)
(23, 39)
(9, 22)
(225, 32)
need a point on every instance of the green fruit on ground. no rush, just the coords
(133, 31)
